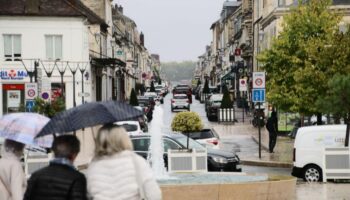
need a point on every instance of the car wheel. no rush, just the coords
(312, 173)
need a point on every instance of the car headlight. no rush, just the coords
(220, 159)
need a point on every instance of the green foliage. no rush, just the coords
(199, 82)
(295, 71)
(186, 122)
(49, 109)
(159, 81)
(206, 87)
(133, 98)
(226, 99)
(177, 71)
(152, 89)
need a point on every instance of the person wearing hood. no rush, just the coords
(12, 177)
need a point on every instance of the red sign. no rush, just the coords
(13, 87)
(237, 52)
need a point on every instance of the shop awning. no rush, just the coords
(228, 76)
(107, 62)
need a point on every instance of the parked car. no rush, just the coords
(155, 96)
(212, 90)
(143, 119)
(214, 104)
(180, 101)
(218, 160)
(197, 93)
(310, 146)
(206, 137)
(132, 127)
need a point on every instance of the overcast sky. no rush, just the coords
(177, 30)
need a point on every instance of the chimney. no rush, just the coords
(142, 39)
(32, 6)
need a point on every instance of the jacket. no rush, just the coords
(56, 182)
(12, 177)
(114, 178)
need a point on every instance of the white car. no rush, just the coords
(180, 101)
(132, 127)
(207, 138)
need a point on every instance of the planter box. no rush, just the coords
(187, 160)
(226, 115)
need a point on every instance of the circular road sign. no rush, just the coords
(31, 92)
(45, 95)
(258, 81)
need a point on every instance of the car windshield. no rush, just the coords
(191, 144)
(216, 103)
(130, 127)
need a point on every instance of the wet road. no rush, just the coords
(244, 146)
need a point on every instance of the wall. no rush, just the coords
(75, 46)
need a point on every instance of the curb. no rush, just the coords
(263, 146)
(266, 163)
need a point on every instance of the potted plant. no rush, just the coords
(226, 108)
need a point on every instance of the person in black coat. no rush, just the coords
(271, 126)
(60, 180)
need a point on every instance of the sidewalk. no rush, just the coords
(283, 156)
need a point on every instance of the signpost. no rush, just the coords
(31, 92)
(259, 97)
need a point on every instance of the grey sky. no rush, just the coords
(175, 29)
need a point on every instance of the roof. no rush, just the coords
(49, 8)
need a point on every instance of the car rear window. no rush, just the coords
(201, 135)
(180, 97)
(130, 127)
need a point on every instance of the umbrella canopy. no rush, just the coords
(23, 127)
(90, 114)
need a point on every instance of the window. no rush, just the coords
(281, 3)
(12, 47)
(141, 144)
(53, 47)
(168, 144)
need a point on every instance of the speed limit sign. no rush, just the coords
(31, 91)
(258, 79)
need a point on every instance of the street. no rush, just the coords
(245, 146)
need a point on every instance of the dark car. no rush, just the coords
(218, 160)
(213, 105)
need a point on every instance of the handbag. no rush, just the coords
(138, 178)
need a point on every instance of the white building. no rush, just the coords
(38, 30)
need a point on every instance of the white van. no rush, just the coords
(320, 153)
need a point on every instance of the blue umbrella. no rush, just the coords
(90, 114)
(23, 127)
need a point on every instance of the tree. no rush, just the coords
(49, 109)
(199, 82)
(133, 98)
(159, 81)
(186, 122)
(295, 74)
(152, 89)
(337, 101)
(226, 99)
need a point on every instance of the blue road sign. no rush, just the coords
(258, 95)
(29, 105)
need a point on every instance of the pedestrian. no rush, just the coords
(116, 172)
(271, 126)
(12, 177)
(60, 180)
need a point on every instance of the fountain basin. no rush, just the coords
(224, 186)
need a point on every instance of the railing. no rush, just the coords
(226, 115)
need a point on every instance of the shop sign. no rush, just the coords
(13, 74)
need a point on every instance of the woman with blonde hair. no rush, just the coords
(116, 172)
(12, 177)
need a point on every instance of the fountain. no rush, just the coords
(211, 185)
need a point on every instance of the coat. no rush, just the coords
(56, 182)
(12, 177)
(114, 178)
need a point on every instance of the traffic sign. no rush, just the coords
(259, 95)
(29, 105)
(259, 80)
(31, 90)
(243, 85)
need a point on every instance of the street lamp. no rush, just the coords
(61, 66)
(82, 69)
(31, 66)
(73, 66)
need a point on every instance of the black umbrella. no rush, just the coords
(90, 114)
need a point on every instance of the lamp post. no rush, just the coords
(48, 66)
(61, 66)
(31, 66)
(73, 66)
(82, 69)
